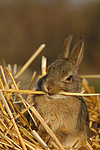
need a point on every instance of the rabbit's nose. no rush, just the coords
(48, 88)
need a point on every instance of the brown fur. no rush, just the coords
(67, 116)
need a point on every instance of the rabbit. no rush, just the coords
(67, 116)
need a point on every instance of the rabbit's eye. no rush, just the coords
(68, 79)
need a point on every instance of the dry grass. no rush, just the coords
(13, 131)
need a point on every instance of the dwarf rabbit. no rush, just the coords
(67, 116)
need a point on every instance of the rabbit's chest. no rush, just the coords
(59, 112)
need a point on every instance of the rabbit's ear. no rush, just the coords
(66, 46)
(77, 51)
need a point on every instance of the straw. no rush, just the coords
(26, 65)
(17, 133)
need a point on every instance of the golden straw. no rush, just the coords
(11, 116)
(41, 92)
(26, 65)
(90, 76)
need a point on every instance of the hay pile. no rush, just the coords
(16, 132)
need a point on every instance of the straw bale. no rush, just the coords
(15, 131)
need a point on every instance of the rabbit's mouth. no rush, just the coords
(57, 96)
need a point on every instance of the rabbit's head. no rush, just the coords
(62, 75)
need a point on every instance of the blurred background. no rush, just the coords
(26, 24)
